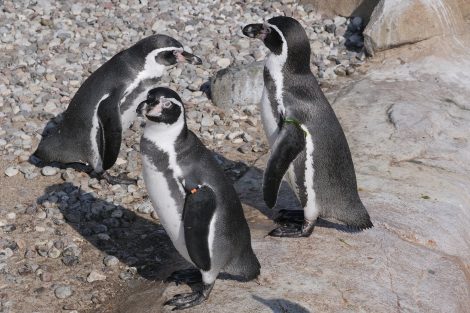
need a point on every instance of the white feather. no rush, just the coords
(311, 211)
(97, 163)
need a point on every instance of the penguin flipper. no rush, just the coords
(289, 143)
(110, 126)
(199, 209)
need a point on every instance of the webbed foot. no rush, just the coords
(115, 180)
(294, 230)
(186, 300)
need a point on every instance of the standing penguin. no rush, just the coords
(196, 204)
(306, 139)
(105, 103)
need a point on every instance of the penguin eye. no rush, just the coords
(167, 104)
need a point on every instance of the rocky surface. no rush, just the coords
(69, 241)
(394, 23)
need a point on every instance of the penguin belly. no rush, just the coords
(165, 205)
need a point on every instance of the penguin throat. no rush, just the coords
(162, 133)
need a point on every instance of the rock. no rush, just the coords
(54, 253)
(95, 276)
(76, 8)
(238, 85)
(145, 207)
(339, 20)
(394, 22)
(224, 62)
(110, 261)
(63, 292)
(207, 121)
(49, 171)
(330, 28)
(45, 277)
(331, 8)
(5, 254)
(70, 260)
(11, 171)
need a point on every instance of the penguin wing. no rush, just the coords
(110, 125)
(289, 143)
(199, 209)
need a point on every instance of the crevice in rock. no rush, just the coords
(389, 116)
(458, 105)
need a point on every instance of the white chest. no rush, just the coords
(165, 205)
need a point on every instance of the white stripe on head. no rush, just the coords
(275, 63)
(151, 69)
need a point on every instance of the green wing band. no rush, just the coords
(295, 122)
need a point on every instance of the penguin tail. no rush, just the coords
(355, 216)
(54, 148)
(245, 265)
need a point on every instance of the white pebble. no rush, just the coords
(11, 171)
(49, 171)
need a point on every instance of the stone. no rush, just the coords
(394, 22)
(207, 121)
(63, 292)
(11, 171)
(238, 85)
(49, 171)
(95, 276)
(110, 261)
(224, 62)
(5, 254)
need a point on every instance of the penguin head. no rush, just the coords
(166, 50)
(162, 105)
(284, 37)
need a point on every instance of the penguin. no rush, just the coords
(197, 205)
(106, 102)
(306, 139)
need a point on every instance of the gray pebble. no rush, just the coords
(110, 260)
(63, 292)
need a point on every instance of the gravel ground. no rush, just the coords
(69, 242)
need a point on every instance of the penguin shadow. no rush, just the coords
(115, 230)
(250, 190)
(281, 305)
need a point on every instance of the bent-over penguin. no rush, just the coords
(105, 104)
(197, 205)
(306, 139)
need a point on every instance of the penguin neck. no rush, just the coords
(165, 135)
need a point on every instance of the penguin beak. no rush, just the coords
(140, 108)
(259, 31)
(183, 56)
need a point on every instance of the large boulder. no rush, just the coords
(238, 85)
(330, 8)
(395, 22)
(465, 8)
